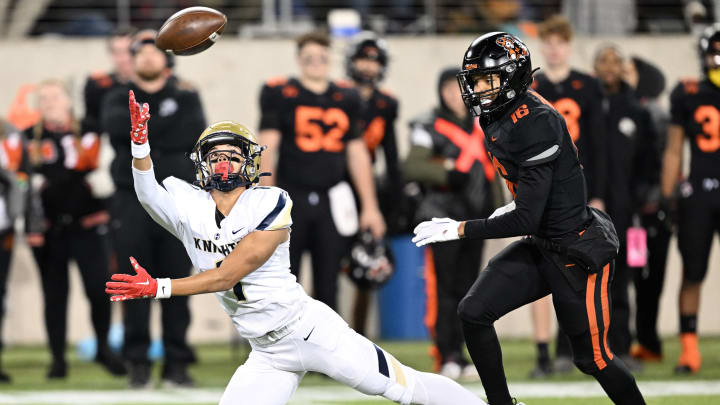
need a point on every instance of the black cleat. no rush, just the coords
(4, 378)
(139, 376)
(112, 363)
(57, 370)
(177, 377)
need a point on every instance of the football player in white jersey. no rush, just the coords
(237, 234)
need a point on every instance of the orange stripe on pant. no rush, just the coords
(605, 308)
(592, 319)
(431, 305)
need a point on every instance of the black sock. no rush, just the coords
(619, 384)
(543, 354)
(484, 347)
(688, 323)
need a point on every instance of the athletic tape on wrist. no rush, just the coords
(139, 151)
(164, 288)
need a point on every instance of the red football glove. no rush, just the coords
(130, 287)
(139, 116)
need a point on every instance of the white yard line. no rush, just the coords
(309, 395)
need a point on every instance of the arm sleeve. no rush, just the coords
(678, 113)
(157, 201)
(597, 141)
(418, 165)
(532, 193)
(269, 112)
(389, 144)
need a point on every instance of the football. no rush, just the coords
(191, 30)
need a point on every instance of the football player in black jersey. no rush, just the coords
(695, 113)
(309, 125)
(571, 248)
(578, 98)
(100, 83)
(365, 64)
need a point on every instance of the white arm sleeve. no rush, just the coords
(157, 201)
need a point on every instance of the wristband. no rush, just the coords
(164, 288)
(139, 151)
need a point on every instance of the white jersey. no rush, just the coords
(265, 299)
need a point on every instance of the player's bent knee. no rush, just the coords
(586, 366)
(474, 312)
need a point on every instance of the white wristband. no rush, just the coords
(164, 288)
(139, 151)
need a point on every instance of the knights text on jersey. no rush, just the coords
(265, 299)
(315, 129)
(695, 106)
(534, 133)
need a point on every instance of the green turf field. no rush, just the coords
(27, 366)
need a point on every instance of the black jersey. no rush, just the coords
(97, 86)
(578, 99)
(695, 106)
(531, 149)
(315, 129)
(376, 123)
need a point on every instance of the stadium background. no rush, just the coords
(229, 77)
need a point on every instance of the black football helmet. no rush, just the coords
(371, 261)
(709, 52)
(366, 45)
(495, 53)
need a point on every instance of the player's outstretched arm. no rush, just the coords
(249, 254)
(139, 146)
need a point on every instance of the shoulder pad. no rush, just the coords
(101, 78)
(183, 84)
(276, 81)
(690, 85)
(344, 83)
(180, 188)
(271, 207)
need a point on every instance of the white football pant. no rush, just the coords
(324, 343)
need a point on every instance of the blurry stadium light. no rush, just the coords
(24, 16)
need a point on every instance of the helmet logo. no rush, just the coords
(471, 66)
(513, 49)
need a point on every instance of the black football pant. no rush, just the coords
(619, 336)
(313, 229)
(649, 283)
(521, 274)
(457, 264)
(162, 255)
(88, 249)
(6, 246)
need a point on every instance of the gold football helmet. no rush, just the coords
(204, 156)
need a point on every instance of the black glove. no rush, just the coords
(457, 180)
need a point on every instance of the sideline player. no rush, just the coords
(238, 235)
(694, 109)
(570, 253)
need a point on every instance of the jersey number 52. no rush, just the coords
(310, 134)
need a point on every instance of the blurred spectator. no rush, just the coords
(649, 82)
(479, 15)
(176, 123)
(448, 157)
(15, 197)
(601, 17)
(577, 96)
(633, 168)
(366, 64)
(309, 125)
(100, 83)
(64, 153)
(694, 113)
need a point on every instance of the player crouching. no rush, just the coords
(237, 234)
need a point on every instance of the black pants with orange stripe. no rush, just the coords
(521, 274)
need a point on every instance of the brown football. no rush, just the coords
(191, 30)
